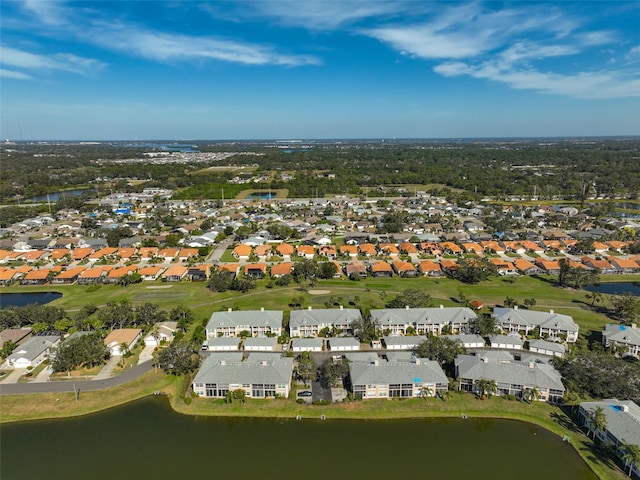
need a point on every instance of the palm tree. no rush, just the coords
(531, 394)
(510, 302)
(597, 420)
(425, 392)
(445, 395)
(486, 388)
(630, 456)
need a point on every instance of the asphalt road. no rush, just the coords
(68, 386)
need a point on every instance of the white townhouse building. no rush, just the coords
(551, 325)
(309, 322)
(260, 323)
(622, 426)
(409, 377)
(260, 375)
(512, 377)
(623, 336)
(396, 321)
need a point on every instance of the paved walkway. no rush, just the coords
(107, 370)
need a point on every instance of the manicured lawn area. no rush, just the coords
(367, 294)
(59, 405)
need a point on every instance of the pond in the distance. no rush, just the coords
(22, 299)
(615, 288)
(146, 439)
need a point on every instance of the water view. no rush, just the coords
(146, 439)
(22, 299)
(261, 196)
(615, 288)
(55, 196)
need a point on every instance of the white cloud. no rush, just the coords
(4, 73)
(49, 12)
(592, 85)
(171, 47)
(328, 14)
(16, 58)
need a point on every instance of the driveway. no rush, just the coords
(44, 375)
(107, 370)
(146, 354)
(14, 376)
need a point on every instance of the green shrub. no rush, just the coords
(300, 401)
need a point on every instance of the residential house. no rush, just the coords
(550, 325)
(168, 254)
(281, 269)
(388, 249)
(399, 378)
(512, 377)
(285, 250)
(199, 273)
(37, 277)
(262, 251)
(118, 275)
(231, 268)
(67, 277)
(525, 267)
(260, 375)
(33, 352)
(625, 265)
(162, 332)
(623, 336)
(404, 269)
(356, 269)
(306, 251)
(552, 267)
(310, 322)
(121, 340)
(150, 273)
(255, 270)
(242, 252)
(8, 276)
(175, 273)
(222, 344)
(350, 250)
(258, 323)
(621, 426)
(368, 250)
(429, 268)
(14, 335)
(381, 269)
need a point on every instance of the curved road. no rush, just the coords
(83, 386)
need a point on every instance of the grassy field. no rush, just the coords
(366, 294)
(15, 408)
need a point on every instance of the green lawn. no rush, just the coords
(367, 293)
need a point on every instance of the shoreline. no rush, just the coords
(49, 406)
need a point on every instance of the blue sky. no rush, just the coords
(318, 69)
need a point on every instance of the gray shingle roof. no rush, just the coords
(226, 368)
(246, 318)
(546, 345)
(534, 319)
(622, 334)
(33, 347)
(529, 374)
(323, 317)
(625, 426)
(344, 342)
(414, 316)
(385, 373)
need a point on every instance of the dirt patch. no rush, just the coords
(156, 287)
(319, 292)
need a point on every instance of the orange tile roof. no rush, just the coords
(381, 267)
(284, 249)
(262, 250)
(148, 252)
(472, 247)
(449, 264)
(175, 271)
(368, 249)
(81, 253)
(451, 246)
(70, 273)
(401, 266)
(126, 252)
(188, 252)
(429, 266)
(242, 250)
(229, 267)
(305, 250)
(282, 268)
(103, 252)
(327, 250)
(8, 274)
(624, 263)
(150, 270)
(95, 271)
(408, 247)
(38, 274)
(349, 249)
(388, 248)
(168, 252)
(59, 253)
(523, 265)
(33, 254)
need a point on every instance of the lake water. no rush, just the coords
(146, 439)
(616, 288)
(22, 299)
(261, 196)
(55, 196)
